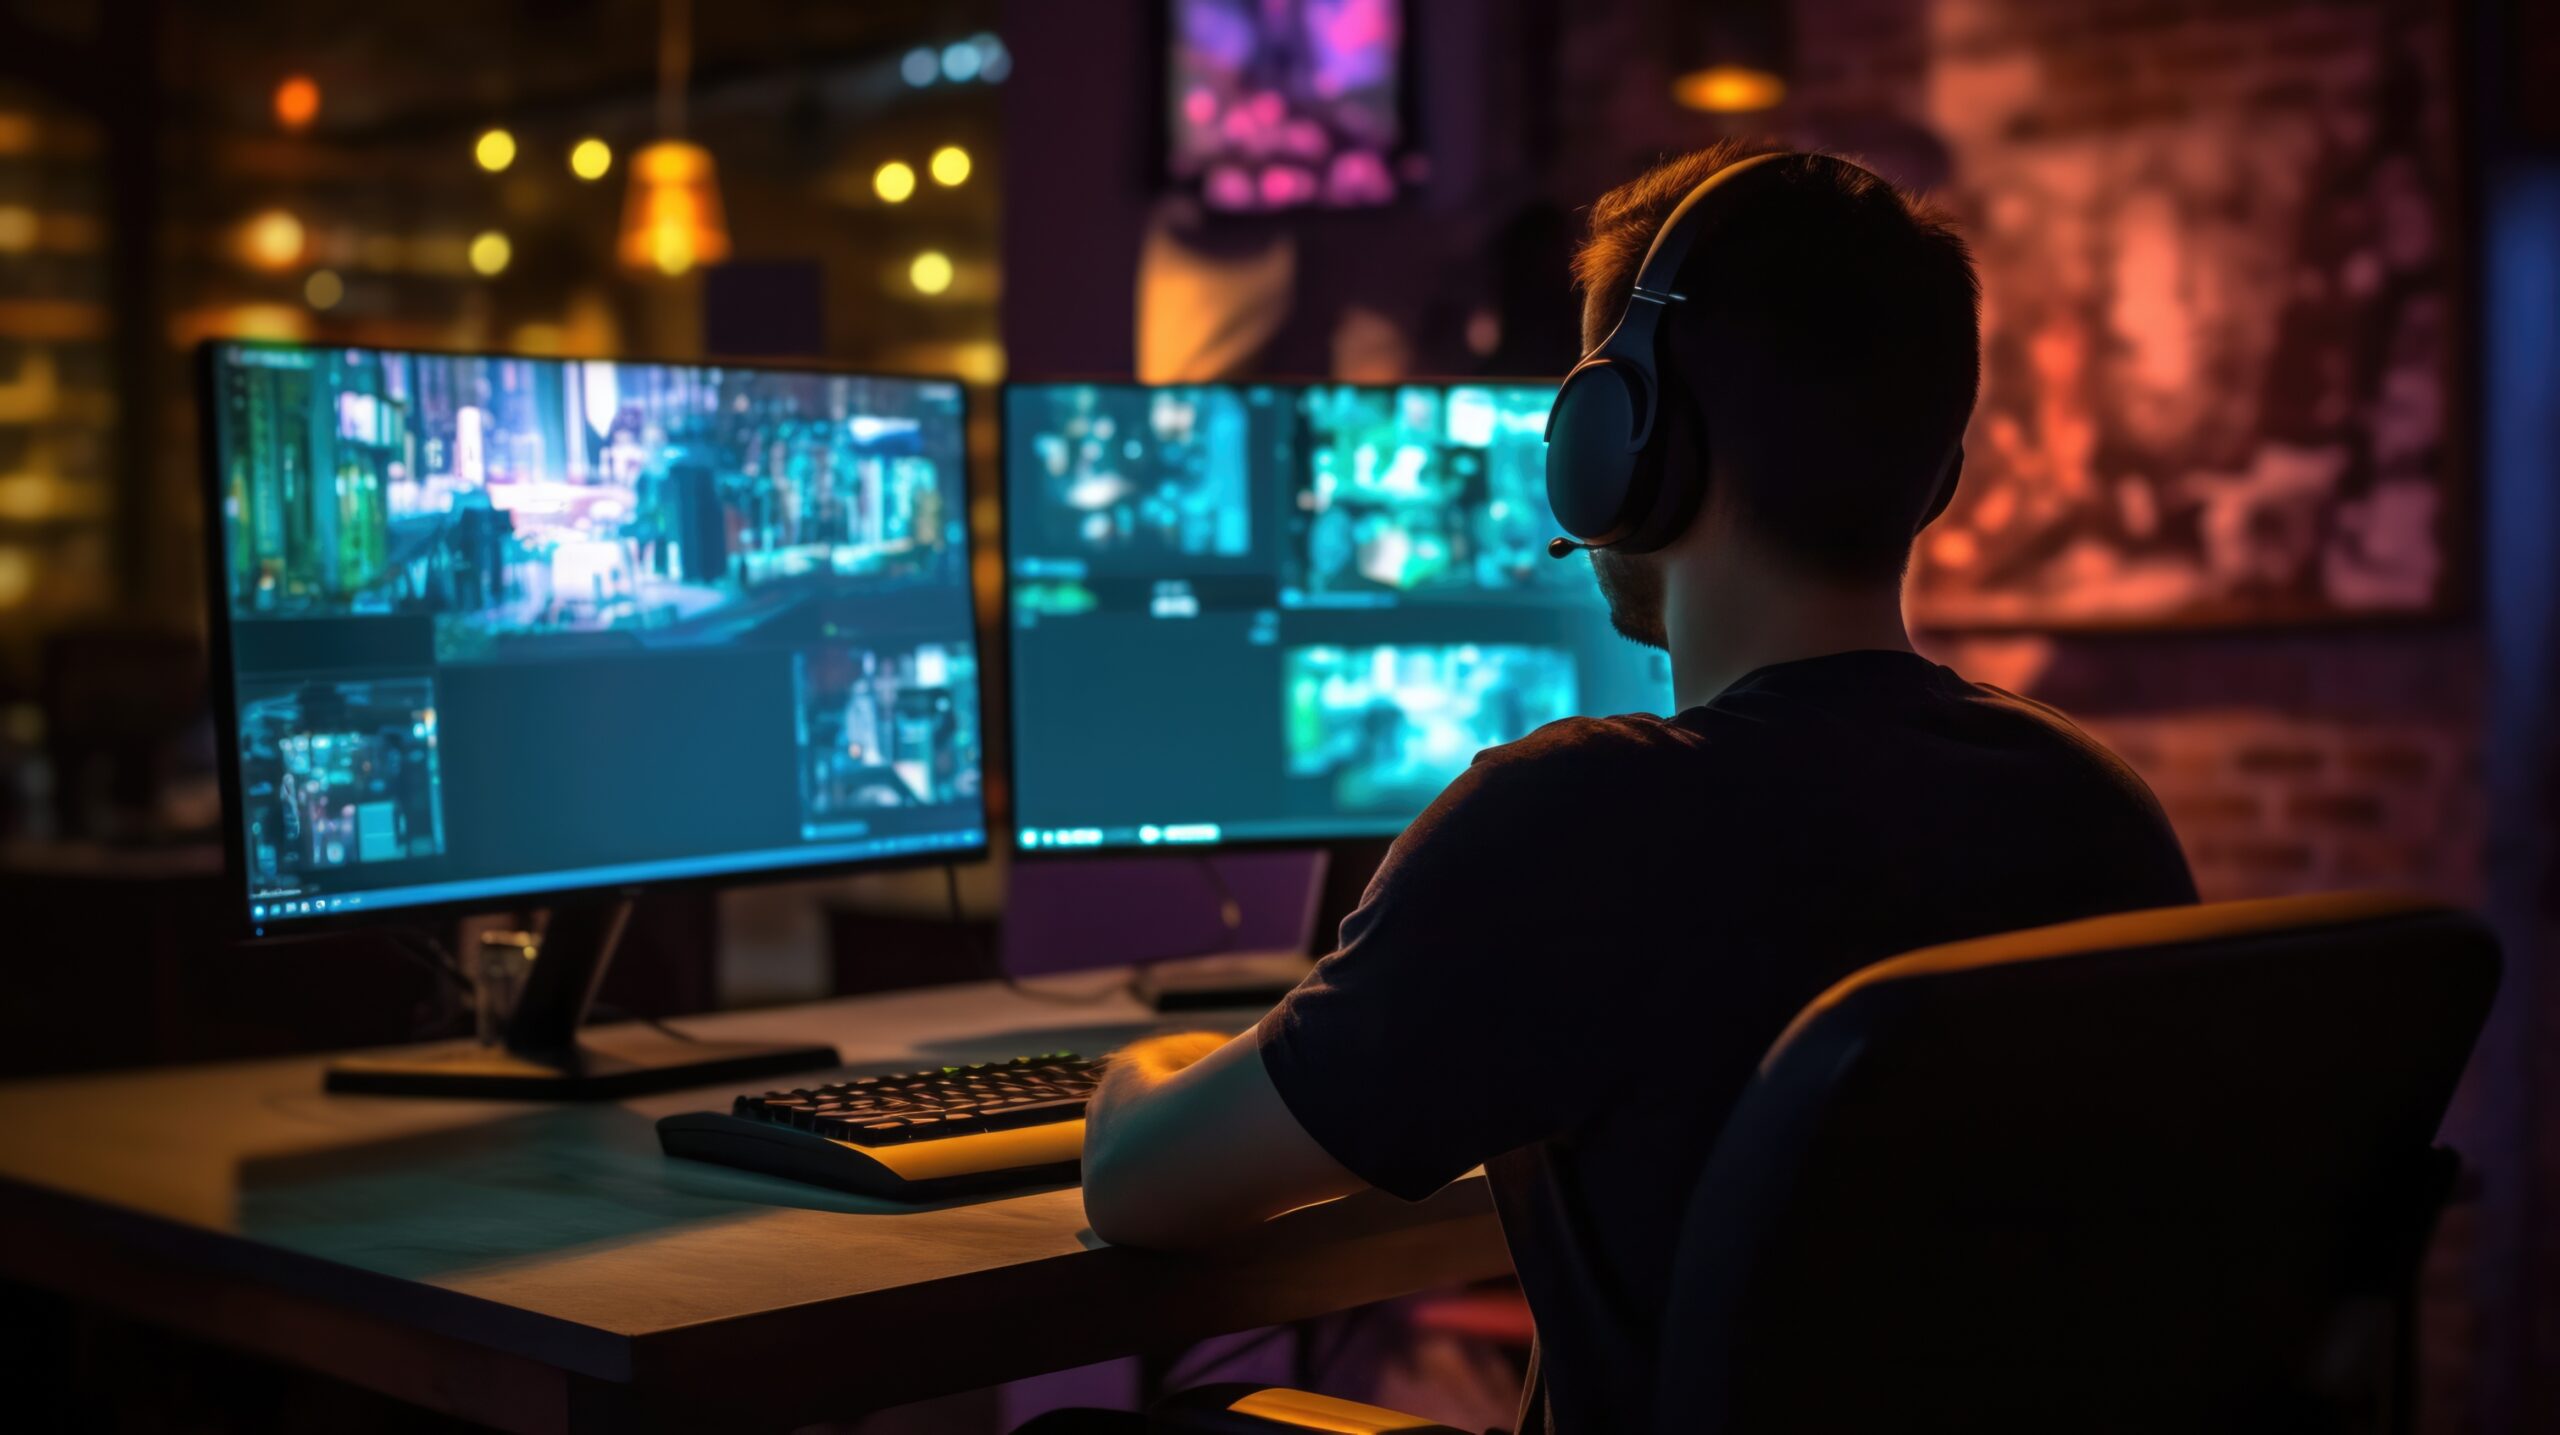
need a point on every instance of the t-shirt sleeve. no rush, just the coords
(1476, 990)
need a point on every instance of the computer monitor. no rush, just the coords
(1284, 613)
(505, 631)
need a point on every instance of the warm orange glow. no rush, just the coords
(1729, 89)
(273, 240)
(297, 102)
(324, 289)
(18, 229)
(671, 220)
(17, 576)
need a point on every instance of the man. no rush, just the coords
(1568, 967)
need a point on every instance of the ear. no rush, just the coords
(1946, 493)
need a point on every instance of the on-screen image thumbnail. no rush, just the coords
(513, 497)
(884, 728)
(1389, 726)
(1424, 491)
(1121, 470)
(337, 774)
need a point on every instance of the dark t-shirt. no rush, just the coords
(1569, 966)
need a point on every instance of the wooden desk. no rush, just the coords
(545, 1268)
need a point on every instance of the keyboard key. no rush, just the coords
(933, 1102)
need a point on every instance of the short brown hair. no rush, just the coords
(1831, 344)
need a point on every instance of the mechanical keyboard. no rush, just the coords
(918, 1135)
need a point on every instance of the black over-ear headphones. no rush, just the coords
(1607, 409)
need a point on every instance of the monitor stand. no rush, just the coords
(546, 1056)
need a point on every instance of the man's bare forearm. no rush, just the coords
(1186, 1143)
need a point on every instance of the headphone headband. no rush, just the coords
(1607, 409)
(1658, 275)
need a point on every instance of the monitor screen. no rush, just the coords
(499, 627)
(1286, 104)
(1278, 613)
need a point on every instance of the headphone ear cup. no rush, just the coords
(1592, 454)
(1669, 495)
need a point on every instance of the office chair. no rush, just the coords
(2170, 1170)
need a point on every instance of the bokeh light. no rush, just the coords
(994, 60)
(930, 272)
(894, 181)
(297, 102)
(1729, 89)
(950, 165)
(273, 240)
(324, 289)
(960, 62)
(590, 159)
(18, 227)
(490, 252)
(920, 67)
(494, 150)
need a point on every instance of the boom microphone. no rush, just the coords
(1564, 547)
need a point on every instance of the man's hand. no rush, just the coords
(1186, 1143)
(1137, 1069)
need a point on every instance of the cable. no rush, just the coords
(1230, 911)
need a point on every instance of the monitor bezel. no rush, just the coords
(1015, 848)
(223, 680)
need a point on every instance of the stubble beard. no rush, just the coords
(1632, 584)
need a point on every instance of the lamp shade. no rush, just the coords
(671, 217)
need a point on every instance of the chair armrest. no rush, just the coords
(1244, 1409)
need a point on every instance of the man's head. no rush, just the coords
(1822, 367)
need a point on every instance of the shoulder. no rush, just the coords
(1581, 749)
(1568, 781)
(1557, 823)
(2058, 724)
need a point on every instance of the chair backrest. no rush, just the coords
(2116, 1175)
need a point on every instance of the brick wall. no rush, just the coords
(2270, 803)
(2287, 762)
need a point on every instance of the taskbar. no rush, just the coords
(1150, 836)
(292, 906)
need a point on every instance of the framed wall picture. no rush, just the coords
(2220, 315)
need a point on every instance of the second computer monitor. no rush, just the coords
(1284, 612)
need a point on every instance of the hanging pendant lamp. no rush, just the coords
(671, 216)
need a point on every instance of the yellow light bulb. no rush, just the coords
(671, 249)
(490, 252)
(950, 165)
(894, 181)
(495, 150)
(589, 159)
(930, 272)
